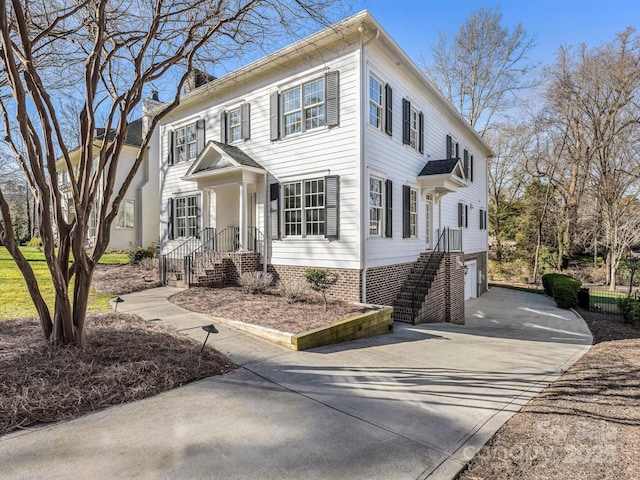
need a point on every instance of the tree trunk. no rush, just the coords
(535, 261)
(81, 290)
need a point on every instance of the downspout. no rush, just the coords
(267, 236)
(363, 173)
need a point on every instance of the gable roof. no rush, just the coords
(217, 157)
(134, 133)
(439, 167)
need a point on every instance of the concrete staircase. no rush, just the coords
(416, 287)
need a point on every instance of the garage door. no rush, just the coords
(470, 283)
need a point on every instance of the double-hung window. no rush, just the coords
(413, 212)
(375, 102)
(376, 206)
(235, 125)
(303, 107)
(304, 208)
(126, 214)
(413, 129)
(186, 216)
(186, 143)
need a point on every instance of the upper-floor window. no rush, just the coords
(126, 214)
(304, 208)
(453, 148)
(186, 142)
(413, 128)
(375, 102)
(304, 107)
(235, 125)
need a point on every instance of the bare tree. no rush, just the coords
(108, 53)
(483, 68)
(594, 105)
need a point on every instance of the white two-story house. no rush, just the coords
(335, 152)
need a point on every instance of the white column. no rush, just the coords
(242, 214)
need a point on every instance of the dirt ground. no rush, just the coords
(267, 309)
(586, 425)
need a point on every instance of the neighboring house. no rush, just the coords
(137, 223)
(335, 152)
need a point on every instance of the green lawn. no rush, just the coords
(15, 301)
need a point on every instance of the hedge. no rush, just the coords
(629, 308)
(563, 288)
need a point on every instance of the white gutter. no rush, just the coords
(363, 173)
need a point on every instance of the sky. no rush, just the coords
(415, 24)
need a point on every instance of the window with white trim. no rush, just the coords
(428, 218)
(376, 206)
(304, 208)
(413, 212)
(413, 129)
(303, 107)
(186, 143)
(186, 216)
(235, 124)
(126, 214)
(375, 102)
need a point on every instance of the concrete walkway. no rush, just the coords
(418, 403)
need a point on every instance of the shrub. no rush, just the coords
(293, 290)
(255, 282)
(147, 263)
(320, 280)
(137, 254)
(34, 242)
(629, 308)
(563, 288)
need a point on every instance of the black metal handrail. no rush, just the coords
(431, 268)
(172, 262)
(211, 251)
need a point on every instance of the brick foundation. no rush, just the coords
(454, 288)
(347, 288)
(384, 283)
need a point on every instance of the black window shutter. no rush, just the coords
(332, 207)
(223, 127)
(449, 146)
(466, 163)
(421, 132)
(200, 135)
(274, 115)
(457, 149)
(170, 233)
(471, 167)
(332, 110)
(274, 210)
(388, 209)
(466, 216)
(460, 214)
(406, 211)
(171, 147)
(245, 123)
(406, 121)
(481, 219)
(388, 105)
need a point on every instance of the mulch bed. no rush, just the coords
(267, 309)
(125, 359)
(122, 279)
(585, 425)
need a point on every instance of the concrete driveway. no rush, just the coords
(418, 403)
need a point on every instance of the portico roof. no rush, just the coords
(223, 163)
(443, 176)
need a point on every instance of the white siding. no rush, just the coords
(310, 154)
(387, 158)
